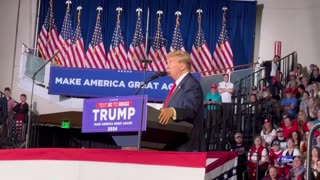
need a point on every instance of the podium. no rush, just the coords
(156, 136)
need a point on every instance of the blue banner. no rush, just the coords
(114, 114)
(103, 83)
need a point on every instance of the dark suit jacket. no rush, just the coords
(187, 100)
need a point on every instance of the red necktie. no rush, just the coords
(169, 95)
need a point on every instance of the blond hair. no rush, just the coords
(184, 58)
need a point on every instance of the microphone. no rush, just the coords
(153, 77)
(157, 75)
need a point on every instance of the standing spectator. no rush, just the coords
(315, 76)
(226, 89)
(271, 73)
(6, 106)
(21, 117)
(289, 103)
(213, 97)
(241, 149)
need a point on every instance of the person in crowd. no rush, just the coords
(281, 138)
(254, 90)
(241, 149)
(299, 73)
(315, 92)
(20, 119)
(290, 125)
(289, 154)
(295, 136)
(289, 103)
(213, 98)
(293, 78)
(297, 171)
(301, 90)
(273, 174)
(315, 156)
(226, 89)
(184, 102)
(315, 76)
(304, 101)
(305, 83)
(317, 121)
(302, 122)
(316, 172)
(304, 145)
(275, 153)
(311, 67)
(6, 106)
(312, 109)
(253, 98)
(268, 133)
(270, 105)
(257, 154)
(272, 74)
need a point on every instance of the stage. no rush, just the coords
(87, 164)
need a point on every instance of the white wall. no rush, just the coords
(296, 24)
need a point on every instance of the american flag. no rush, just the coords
(221, 166)
(200, 53)
(158, 50)
(65, 39)
(48, 38)
(177, 43)
(137, 47)
(96, 55)
(222, 55)
(117, 52)
(76, 50)
(277, 48)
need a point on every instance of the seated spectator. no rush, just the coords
(315, 76)
(253, 98)
(301, 90)
(295, 136)
(297, 171)
(21, 118)
(298, 71)
(317, 121)
(241, 149)
(213, 98)
(302, 122)
(289, 127)
(293, 78)
(257, 154)
(273, 174)
(315, 156)
(311, 67)
(312, 109)
(254, 90)
(304, 145)
(304, 101)
(316, 172)
(268, 133)
(289, 103)
(225, 89)
(281, 138)
(305, 83)
(289, 154)
(295, 90)
(315, 92)
(275, 153)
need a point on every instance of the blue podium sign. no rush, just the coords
(114, 114)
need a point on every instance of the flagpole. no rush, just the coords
(147, 31)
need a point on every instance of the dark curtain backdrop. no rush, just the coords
(240, 21)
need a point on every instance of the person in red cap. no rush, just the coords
(289, 103)
(212, 98)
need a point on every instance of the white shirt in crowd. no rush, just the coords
(268, 137)
(274, 68)
(226, 96)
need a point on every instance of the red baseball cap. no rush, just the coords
(288, 90)
(214, 86)
(267, 121)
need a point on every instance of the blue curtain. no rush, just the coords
(240, 21)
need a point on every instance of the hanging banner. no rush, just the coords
(83, 82)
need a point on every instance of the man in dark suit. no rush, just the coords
(184, 101)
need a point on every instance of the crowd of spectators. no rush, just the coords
(279, 151)
(13, 118)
